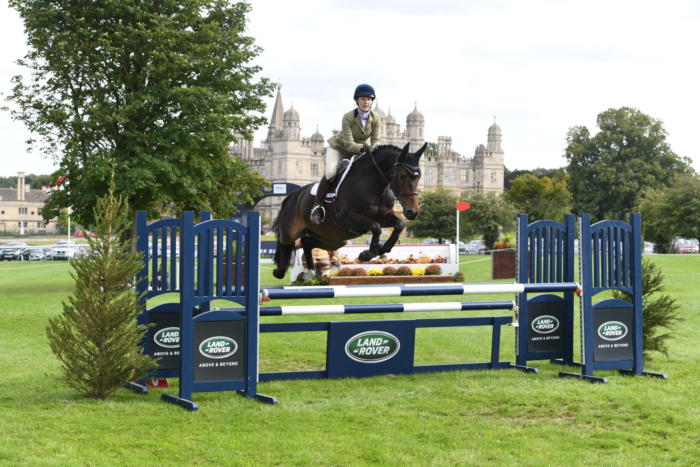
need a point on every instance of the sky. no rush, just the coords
(538, 67)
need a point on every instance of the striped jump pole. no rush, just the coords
(408, 290)
(384, 308)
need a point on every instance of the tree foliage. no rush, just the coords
(489, 215)
(660, 311)
(437, 216)
(510, 175)
(609, 171)
(672, 211)
(158, 88)
(540, 197)
(96, 338)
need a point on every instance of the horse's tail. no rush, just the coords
(283, 253)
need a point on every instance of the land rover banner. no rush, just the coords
(367, 348)
(164, 339)
(545, 326)
(613, 330)
(218, 350)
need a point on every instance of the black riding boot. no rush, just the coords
(318, 213)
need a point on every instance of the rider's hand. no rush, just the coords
(366, 148)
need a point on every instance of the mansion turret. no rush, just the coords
(286, 156)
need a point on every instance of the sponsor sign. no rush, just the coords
(613, 334)
(164, 339)
(372, 347)
(545, 324)
(219, 350)
(369, 348)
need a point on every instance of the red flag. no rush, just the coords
(462, 205)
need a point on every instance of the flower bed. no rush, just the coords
(369, 280)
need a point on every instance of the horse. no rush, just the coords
(364, 203)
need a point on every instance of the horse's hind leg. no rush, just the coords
(283, 257)
(308, 244)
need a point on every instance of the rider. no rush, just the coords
(361, 128)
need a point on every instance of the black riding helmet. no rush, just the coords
(364, 90)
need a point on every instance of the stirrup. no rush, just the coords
(318, 214)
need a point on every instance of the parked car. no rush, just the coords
(37, 253)
(67, 251)
(13, 251)
(685, 246)
(475, 247)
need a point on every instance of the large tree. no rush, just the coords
(437, 216)
(673, 211)
(540, 197)
(489, 215)
(610, 170)
(156, 89)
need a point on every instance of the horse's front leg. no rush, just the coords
(397, 224)
(360, 224)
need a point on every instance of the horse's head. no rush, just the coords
(404, 182)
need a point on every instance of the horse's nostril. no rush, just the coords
(410, 214)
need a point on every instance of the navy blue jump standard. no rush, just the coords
(217, 350)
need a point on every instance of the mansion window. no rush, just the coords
(493, 177)
(299, 167)
(314, 169)
(429, 176)
(463, 177)
(22, 210)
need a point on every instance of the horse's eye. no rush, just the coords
(402, 177)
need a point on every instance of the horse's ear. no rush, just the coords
(404, 153)
(420, 151)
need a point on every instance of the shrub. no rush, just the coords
(389, 271)
(458, 276)
(97, 337)
(433, 270)
(418, 272)
(375, 272)
(359, 272)
(344, 272)
(659, 313)
(403, 271)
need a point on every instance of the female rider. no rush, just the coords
(361, 128)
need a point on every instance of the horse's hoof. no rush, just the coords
(365, 256)
(278, 273)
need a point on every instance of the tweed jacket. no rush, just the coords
(351, 138)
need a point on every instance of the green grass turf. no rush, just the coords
(467, 417)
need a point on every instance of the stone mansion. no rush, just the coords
(287, 157)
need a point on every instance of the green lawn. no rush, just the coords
(469, 417)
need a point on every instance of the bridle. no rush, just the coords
(411, 169)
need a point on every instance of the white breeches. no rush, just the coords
(333, 157)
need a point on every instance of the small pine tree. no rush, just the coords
(97, 338)
(658, 312)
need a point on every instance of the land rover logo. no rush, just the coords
(545, 324)
(168, 337)
(372, 346)
(218, 347)
(612, 330)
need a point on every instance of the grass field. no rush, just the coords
(469, 417)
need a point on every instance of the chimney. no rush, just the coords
(20, 186)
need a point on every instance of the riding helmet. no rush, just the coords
(364, 90)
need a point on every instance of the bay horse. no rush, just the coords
(364, 203)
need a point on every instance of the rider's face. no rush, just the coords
(364, 103)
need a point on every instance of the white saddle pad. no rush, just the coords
(314, 189)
